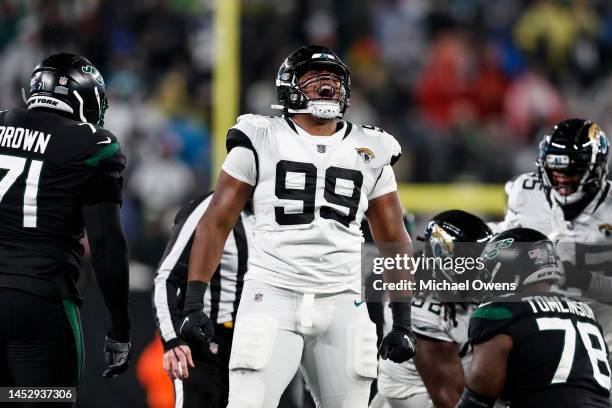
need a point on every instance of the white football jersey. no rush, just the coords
(529, 206)
(310, 196)
(403, 380)
(584, 241)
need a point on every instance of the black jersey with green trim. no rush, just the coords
(50, 167)
(559, 357)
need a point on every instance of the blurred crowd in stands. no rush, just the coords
(467, 86)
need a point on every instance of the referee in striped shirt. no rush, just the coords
(205, 383)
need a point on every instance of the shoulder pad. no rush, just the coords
(385, 148)
(88, 128)
(607, 185)
(104, 147)
(247, 131)
(520, 188)
(508, 186)
(250, 124)
(496, 317)
(105, 151)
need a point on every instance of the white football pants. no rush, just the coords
(420, 400)
(278, 330)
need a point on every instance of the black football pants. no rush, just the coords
(41, 343)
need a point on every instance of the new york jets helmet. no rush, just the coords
(71, 84)
(519, 256)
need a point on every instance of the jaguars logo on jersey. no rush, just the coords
(365, 153)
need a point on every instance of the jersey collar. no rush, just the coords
(343, 129)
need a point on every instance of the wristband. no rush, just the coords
(119, 330)
(170, 344)
(401, 316)
(194, 296)
(472, 399)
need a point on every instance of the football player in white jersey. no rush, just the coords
(436, 376)
(312, 177)
(568, 199)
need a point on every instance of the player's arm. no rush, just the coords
(101, 202)
(583, 265)
(109, 257)
(440, 367)
(488, 376)
(227, 203)
(229, 199)
(385, 217)
(387, 226)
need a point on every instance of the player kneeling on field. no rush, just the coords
(439, 320)
(533, 347)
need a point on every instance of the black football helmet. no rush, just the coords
(574, 147)
(71, 84)
(453, 234)
(289, 92)
(519, 256)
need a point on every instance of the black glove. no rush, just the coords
(399, 344)
(117, 355)
(196, 328)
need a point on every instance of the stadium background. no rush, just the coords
(468, 87)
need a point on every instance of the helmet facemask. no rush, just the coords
(331, 91)
(572, 162)
(324, 95)
(582, 181)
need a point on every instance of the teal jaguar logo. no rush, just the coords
(366, 154)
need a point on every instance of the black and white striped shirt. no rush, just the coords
(223, 293)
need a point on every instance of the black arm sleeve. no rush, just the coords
(109, 257)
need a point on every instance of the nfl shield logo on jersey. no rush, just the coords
(365, 153)
(321, 148)
(258, 297)
(63, 80)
